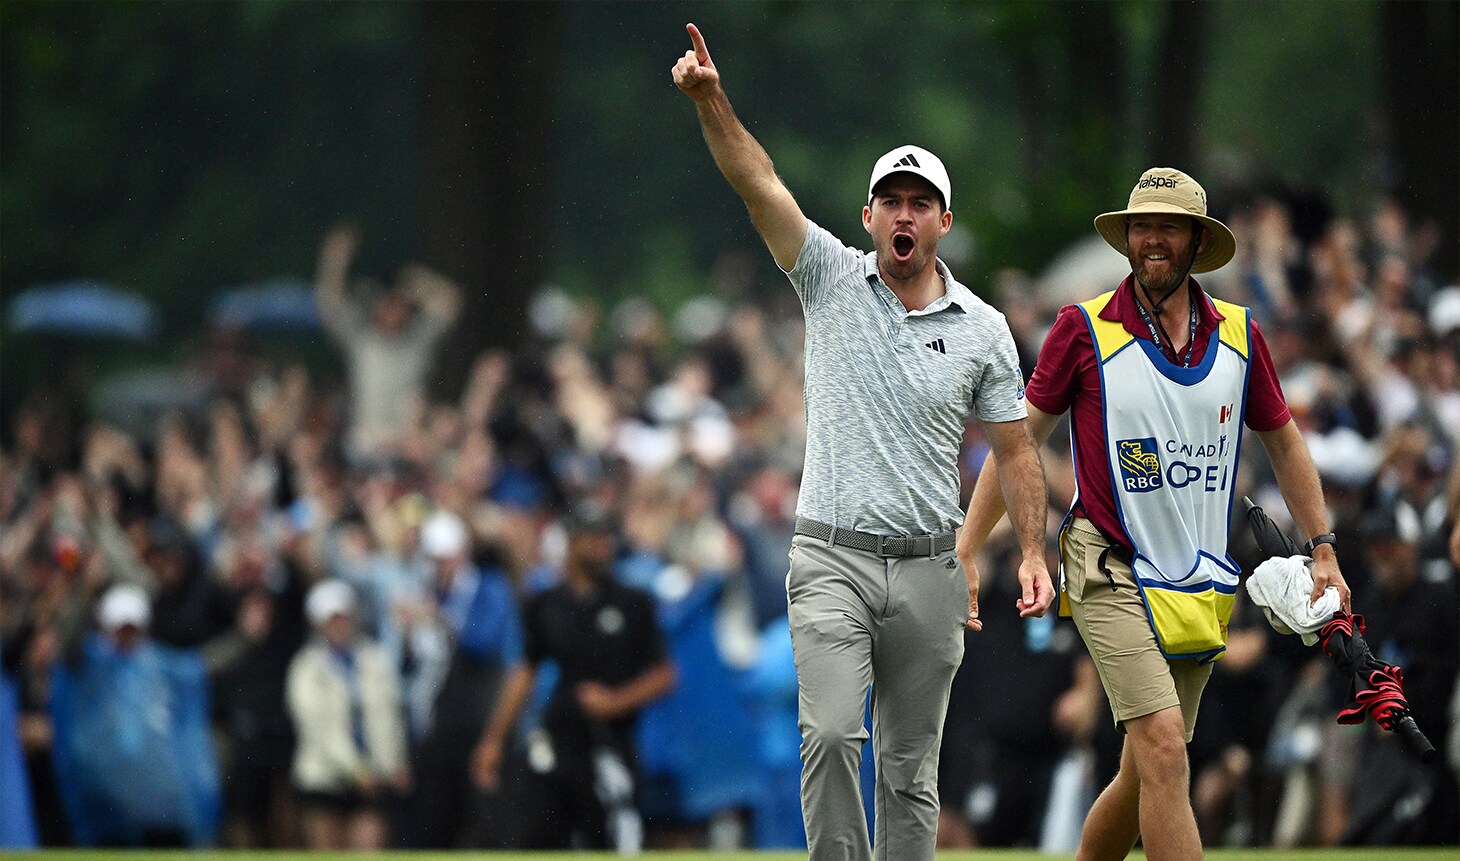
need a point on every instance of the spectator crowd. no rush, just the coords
(356, 610)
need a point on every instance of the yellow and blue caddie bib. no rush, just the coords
(1173, 435)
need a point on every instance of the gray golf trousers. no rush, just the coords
(856, 619)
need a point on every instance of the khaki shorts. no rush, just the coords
(1111, 615)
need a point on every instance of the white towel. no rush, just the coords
(1282, 587)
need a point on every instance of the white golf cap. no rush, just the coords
(122, 606)
(444, 536)
(329, 598)
(913, 159)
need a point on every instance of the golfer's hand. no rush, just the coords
(1037, 592)
(1325, 574)
(695, 74)
(970, 573)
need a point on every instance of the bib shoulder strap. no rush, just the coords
(1107, 336)
(1234, 329)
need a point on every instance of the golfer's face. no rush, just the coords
(905, 219)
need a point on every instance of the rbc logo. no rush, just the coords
(1140, 468)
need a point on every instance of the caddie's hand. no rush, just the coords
(970, 573)
(1325, 574)
(695, 74)
(1037, 591)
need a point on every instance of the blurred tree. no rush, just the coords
(487, 114)
(177, 148)
(1420, 72)
(1177, 83)
(1292, 103)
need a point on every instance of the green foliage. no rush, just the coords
(179, 147)
(1295, 93)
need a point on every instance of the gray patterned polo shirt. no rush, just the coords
(888, 391)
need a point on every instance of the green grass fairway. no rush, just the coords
(1452, 853)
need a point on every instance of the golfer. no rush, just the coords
(1159, 380)
(898, 354)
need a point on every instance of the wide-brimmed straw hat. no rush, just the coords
(1168, 191)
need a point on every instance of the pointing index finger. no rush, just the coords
(701, 52)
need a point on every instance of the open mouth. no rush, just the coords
(902, 246)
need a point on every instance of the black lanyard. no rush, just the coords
(1156, 334)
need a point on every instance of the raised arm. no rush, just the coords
(741, 159)
(1297, 478)
(336, 252)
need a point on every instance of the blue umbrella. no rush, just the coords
(280, 304)
(89, 308)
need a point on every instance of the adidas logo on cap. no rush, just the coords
(916, 160)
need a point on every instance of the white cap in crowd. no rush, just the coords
(122, 606)
(1444, 315)
(444, 536)
(327, 599)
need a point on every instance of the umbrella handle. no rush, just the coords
(1409, 731)
(1271, 540)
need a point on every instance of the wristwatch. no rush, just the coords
(1326, 538)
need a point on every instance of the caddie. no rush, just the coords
(1160, 380)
